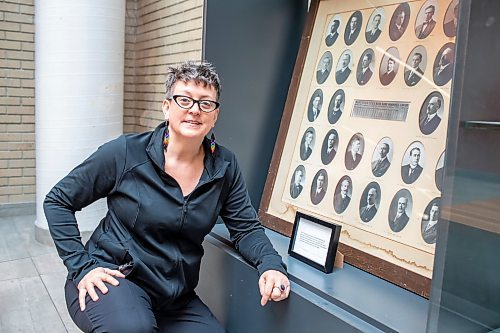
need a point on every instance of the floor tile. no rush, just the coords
(16, 269)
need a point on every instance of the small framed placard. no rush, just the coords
(314, 241)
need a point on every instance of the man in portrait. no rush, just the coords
(444, 71)
(450, 27)
(352, 31)
(380, 166)
(335, 112)
(397, 28)
(365, 73)
(372, 34)
(306, 145)
(413, 76)
(399, 221)
(296, 185)
(342, 198)
(411, 171)
(431, 120)
(389, 75)
(333, 34)
(343, 73)
(328, 152)
(429, 227)
(324, 69)
(318, 191)
(368, 211)
(425, 28)
(314, 108)
(353, 156)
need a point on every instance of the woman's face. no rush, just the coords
(191, 123)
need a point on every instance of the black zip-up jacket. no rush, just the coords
(149, 222)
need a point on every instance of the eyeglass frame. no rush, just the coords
(195, 101)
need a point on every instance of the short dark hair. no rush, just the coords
(418, 54)
(369, 56)
(431, 7)
(203, 73)
(414, 148)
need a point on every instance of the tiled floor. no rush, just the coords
(31, 281)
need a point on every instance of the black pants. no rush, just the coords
(127, 308)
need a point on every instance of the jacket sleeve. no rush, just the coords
(94, 179)
(247, 234)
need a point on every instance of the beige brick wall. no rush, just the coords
(158, 33)
(17, 103)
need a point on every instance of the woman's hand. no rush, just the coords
(96, 278)
(274, 286)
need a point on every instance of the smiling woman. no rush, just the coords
(165, 190)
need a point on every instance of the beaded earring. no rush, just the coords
(166, 137)
(212, 143)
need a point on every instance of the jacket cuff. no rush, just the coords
(272, 262)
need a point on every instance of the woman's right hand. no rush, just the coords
(96, 278)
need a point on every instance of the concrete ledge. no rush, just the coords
(15, 209)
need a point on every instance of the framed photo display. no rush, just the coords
(362, 139)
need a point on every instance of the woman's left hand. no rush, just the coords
(274, 286)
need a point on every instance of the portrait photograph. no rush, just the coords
(354, 151)
(431, 113)
(342, 195)
(450, 22)
(425, 21)
(344, 67)
(443, 65)
(332, 30)
(307, 143)
(430, 218)
(389, 66)
(375, 25)
(330, 146)
(399, 21)
(297, 182)
(319, 186)
(353, 27)
(370, 201)
(315, 104)
(366, 66)
(415, 65)
(400, 210)
(336, 106)
(413, 162)
(382, 157)
(324, 67)
(439, 174)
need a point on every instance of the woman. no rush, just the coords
(165, 190)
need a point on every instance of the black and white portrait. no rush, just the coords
(370, 201)
(443, 65)
(413, 162)
(430, 218)
(307, 143)
(399, 21)
(353, 27)
(382, 157)
(297, 181)
(415, 66)
(389, 66)
(364, 71)
(375, 25)
(450, 22)
(400, 210)
(343, 194)
(354, 151)
(332, 30)
(426, 19)
(439, 174)
(344, 67)
(324, 67)
(336, 106)
(431, 113)
(315, 104)
(330, 146)
(319, 186)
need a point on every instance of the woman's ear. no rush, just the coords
(216, 115)
(165, 106)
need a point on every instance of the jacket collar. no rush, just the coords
(215, 165)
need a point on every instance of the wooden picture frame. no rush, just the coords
(382, 110)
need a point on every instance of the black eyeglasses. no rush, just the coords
(187, 103)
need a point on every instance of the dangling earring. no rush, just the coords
(166, 137)
(212, 144)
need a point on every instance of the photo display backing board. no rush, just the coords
(362, 139)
